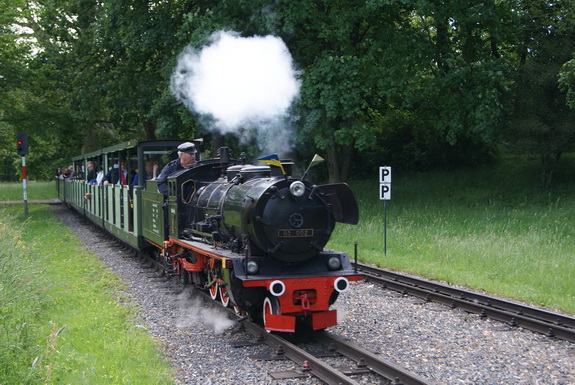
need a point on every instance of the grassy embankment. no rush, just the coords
(494, 229)
(34, 191)
(63, 318)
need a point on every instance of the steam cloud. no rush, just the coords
(193, 313)
(241, 85)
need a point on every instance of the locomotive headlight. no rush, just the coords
(334, 263)
(252, 267)
(297, 188)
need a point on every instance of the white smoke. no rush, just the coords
(243, 85)
(194, 312)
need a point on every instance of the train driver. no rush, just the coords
(186, 158)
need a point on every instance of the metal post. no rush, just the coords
(355, 256)
(24, 185)
(385, 227)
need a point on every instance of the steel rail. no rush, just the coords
(316, 366)
(389, 370)
(538, 320)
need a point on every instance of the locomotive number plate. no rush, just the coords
(292, 233)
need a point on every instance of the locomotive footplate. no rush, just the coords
(205, 249)
(273, 269)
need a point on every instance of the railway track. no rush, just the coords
(514, 314)
(314, 363)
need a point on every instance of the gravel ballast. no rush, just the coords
(447, 346)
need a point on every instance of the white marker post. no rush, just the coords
(385, 195)
(22, 147)
(24, 177)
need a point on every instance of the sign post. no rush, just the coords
(24, 185)
(385, 195)
(22, 147)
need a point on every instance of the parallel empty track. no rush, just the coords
(514, 314)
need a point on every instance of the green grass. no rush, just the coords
(492, 229)
(63, 319)
(21, 302)
(34, 191)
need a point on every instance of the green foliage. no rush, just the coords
(541, 122)
(85, 74)
(98, 75)
(334, 43)
(332, 92)
(567, 81)
(441, 70)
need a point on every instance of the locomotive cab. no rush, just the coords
(183, 186)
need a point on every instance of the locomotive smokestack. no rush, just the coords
(224, 153)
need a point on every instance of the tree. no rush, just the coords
(542, 123)
(26, 94)
(447, 70)
(99, 73)
(333, 43)
(439, 63)
(10, 79)
(421, 82)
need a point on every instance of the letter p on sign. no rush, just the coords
(385, 175)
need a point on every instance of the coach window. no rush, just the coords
(91, 170)
(77, 170)
(153, 166)
(114, 167)
(113, 163)
(155, 158)
(132, 166)
(101, 168)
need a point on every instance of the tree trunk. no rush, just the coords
(332, 164)
(149, 130)
(548, 163)
(91, 142)
(338, 162)
(442, 43)
(345, 163)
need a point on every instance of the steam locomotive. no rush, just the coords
(251, 235)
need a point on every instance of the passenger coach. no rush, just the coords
(115, 207)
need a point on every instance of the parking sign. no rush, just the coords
(385, 183)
